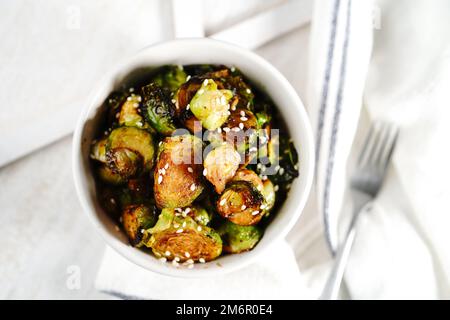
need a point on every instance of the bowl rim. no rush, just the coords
(90, 211)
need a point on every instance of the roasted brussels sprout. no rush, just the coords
(237, 238)
(210, 105)
(241, 130)
(178, 172)
(196, 212)
(128, 150)
(136, 219)
(158, 109)
(268, 192)
(170, 77)
(185, 94)
(109, 176)
(182, 239)
(241, 203)
(98, 150)
(129, 115)
(249, 176)
(220, 165)
(243, 91)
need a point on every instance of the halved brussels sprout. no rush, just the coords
(178, 172)
(109, 176)
(98, 150)
(158, 109)
(241, 203)
(198, 213)
(237, 238)
(249, 176)
(129, 115)
(136, 219)
(268, 192)
(220, 165)
(171, 77)
(210, 105)
(127, 148)
(242, 130)
(181, 238)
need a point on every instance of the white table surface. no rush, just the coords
(44, 231)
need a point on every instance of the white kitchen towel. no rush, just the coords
(274, 276)
(340, 48)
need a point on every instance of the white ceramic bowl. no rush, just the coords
(198, 51)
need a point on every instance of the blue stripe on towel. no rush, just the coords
(326, 81)
(334, 132)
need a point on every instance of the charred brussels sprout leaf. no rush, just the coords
(249, 176)
(181, 238)
(237, 238)
(178, 171)
(158, 109)
(241, 203)
(243, 131)
(210, 105)
(136, 219)
(128, 150)
(282, 153)
(220, 165)
(171, 77)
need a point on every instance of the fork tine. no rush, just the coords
(389, 144)
(369, 145)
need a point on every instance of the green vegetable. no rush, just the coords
(237, 238)
(98, 150)
(136, 219)
(109, 176)
(129, 115)
(178, 172)
(128, 150)
(268, 192)
(181, 238)
(170, 77)
(220, 165)
(158, 109)
(241, 203)
(210, 105)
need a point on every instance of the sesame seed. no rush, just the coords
(253, 149)
(160, 179)
(259, 165)
(142, 230)
(112, 200)
(190, 261)
(226, 129)
(233, 69)
(296, 167)
(242, 113)
(175, 263)
(228, 113)
(193, 187)
(176, 225)
(177, 259)
(139, 98)
(281, 171)
(135, 105)
(264, 178)
(276, 188)
(166, 166)
(241, 126)
(160, 143)
(187, 254)
(190, 169)
(205, 82)
(139, 124)
(120, 219)
(223, 100)
(131, 89)
(200, 91)
(184, 224)
(187, 210)
(201, 260)
(219, 129)
(179, 230)
(222, 202)
(190, 266)
(243, 207)
(188, 78)
(254, 213)
(259, 188)
(248, 91)
(117, 228)
(163, 259)
(199, 228)
(188, 106)
(236, 129)
(167, 253)
(117, 115)
(205, 172)
(233, 108)
(163, 171)
(244, 119)
(173, 100)
(263, 206)
(178, 209)
(277, 168)
(129, 99)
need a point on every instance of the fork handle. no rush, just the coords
(333, 284)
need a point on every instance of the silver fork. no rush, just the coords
(365, 184)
